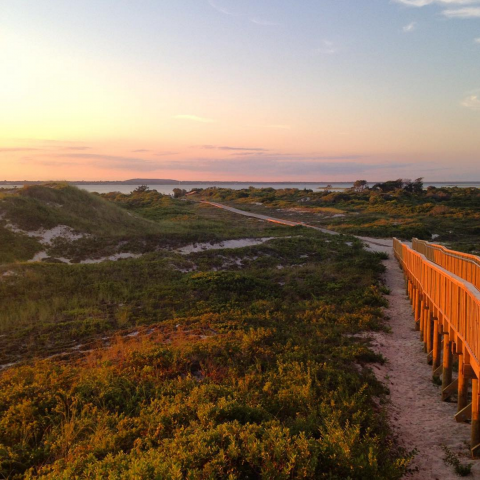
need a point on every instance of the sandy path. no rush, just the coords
(267, 218)
(418, 416)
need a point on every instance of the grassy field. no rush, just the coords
(452, 215)
(234, 363)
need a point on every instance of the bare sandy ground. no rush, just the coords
(240, 243)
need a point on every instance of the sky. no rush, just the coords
(260, 90)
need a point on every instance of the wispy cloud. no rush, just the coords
(165, 154)
(472, 101)
(221, 9)
(106, 161)
(328, 48)
(266, 23)
(424, 3)
(141, 150)
(467, 12)
(410, 27)
(194, 118)
(227, 148)
(457, 7)
(476, 40)
(256, 20)
(13, 150)
(76, 148)
(269, 166)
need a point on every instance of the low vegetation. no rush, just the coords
(395, 208)
(461, 469)
(235, 363)
(142, 222)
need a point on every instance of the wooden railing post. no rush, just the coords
(462, 401)
(417, 308)
(428, 330)
(475, 436)
(437, 346)
(447, 362)
(421, 318)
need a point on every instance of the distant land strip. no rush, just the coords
(162, 181)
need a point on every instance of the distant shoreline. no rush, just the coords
(147, 181)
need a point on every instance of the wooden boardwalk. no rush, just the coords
(447, 314)
(463, 265)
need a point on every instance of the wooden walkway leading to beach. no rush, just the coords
(447, 314)
(463, 265)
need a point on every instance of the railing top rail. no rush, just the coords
(468, 257)
(451, 276)
(406, 255)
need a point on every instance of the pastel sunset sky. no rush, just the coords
(312, 90)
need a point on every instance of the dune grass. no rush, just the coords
(47, 206)
(138, 223)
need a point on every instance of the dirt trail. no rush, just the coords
(419, 418)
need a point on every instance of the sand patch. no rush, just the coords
(47, 236)
(40, 256)
(241, 243)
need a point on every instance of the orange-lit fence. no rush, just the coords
(447, 314)
(463, 265)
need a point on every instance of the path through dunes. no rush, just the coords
(419, 417)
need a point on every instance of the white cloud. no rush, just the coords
(476, 40)
(467, 12)
(255, 20)
(410, 27)
(222, 10)
(457, 12)
(424, 3)
(266, 23)
(328, 48)
(472, 101)
(194, 118)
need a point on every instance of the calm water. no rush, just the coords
(168, 189)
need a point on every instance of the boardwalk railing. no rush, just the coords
(463, 265)
(447, 314)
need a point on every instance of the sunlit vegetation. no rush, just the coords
(388, 209)
(235, 363)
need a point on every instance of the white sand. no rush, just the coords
(110, 258)
(241, 243)
(46, 237)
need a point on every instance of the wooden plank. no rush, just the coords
(462, 385)
(464, 415)
(447, 363)
(448, 391)
(475, 435)
(468, 371)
